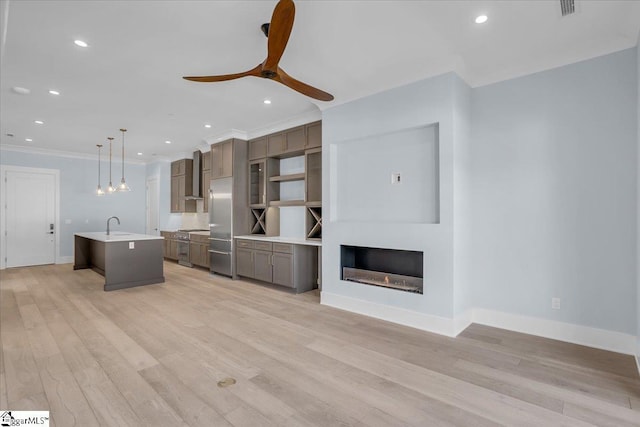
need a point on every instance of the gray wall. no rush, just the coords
(554, 193)
(78, 202)
(638, 199)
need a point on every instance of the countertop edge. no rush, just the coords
(279, 239)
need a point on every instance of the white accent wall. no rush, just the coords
(538, 198)
(441, 101)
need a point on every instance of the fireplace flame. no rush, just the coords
(386, 280)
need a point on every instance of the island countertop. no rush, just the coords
(117, 236)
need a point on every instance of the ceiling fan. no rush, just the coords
(277, 33)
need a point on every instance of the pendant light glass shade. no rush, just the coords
(123, 184)
(99, 190)
(110, 188)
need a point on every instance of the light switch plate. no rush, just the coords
(132, 245)
(395, 178)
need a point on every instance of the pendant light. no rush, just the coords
(123, 184)
(110, 188)
(99, 190)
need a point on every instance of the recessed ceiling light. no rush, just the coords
(81, 43)
(267, 101)
(38, 122)
(139, 154)
(54, 92)
(21, 90)
(167, 142)
(481, 19)
(207, 126)
(28, 139)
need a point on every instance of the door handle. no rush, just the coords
(219, 240)
(218, 252)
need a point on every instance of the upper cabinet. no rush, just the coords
(206, 179)
(314, 135)
(222, 159)
(179, 167)
(181, 186)
(258, 148)
(289, 143)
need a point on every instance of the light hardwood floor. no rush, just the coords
(153, 356)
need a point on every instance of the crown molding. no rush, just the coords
(60, 153)
(289, 123)
(231, 133)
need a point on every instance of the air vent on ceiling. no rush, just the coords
(567, 7)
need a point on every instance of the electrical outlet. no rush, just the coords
(132, 245)
(395, 178)
(555, 303)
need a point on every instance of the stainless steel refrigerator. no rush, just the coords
(221, 212)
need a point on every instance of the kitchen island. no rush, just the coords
(124, 259)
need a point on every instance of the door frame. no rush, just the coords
(151, 178)
(3, 203)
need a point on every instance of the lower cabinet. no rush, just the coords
(284, 264)
(199, 251)
(170, 247)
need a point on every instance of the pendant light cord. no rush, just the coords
(123, 131)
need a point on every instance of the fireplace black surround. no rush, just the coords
(389, 268)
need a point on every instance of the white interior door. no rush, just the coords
(153, 206)
(30, 218)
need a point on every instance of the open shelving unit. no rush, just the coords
(270, 188)
(287, 178)
(258, 221)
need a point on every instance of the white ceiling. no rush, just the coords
(130, 76)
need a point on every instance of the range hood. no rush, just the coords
(196, 192)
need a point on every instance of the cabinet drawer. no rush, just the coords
(263, 246)
(285, 248)
(199, 238)
(244, 244)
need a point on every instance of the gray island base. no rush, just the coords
(124, 259)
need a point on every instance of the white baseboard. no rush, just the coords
(414, 319)
(576, 334)
(64, 259)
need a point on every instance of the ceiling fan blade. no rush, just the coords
(279, 31)
(207, 79)
(303, 88)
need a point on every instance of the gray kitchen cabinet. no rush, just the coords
(170, 247)
(282, 269)
(179, 167)
(206, 185)
(314, 135)
(290, 265)
(275, 144)
(262, 266)
(295, 139)
(222, 159)
(258, 148)
(244, 262)
(199, 250)
(181, 186)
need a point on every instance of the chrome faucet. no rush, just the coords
(117, 219)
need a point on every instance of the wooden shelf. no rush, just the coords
(287, 203)
(258, 206)
(312, 204)
(291, 177)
